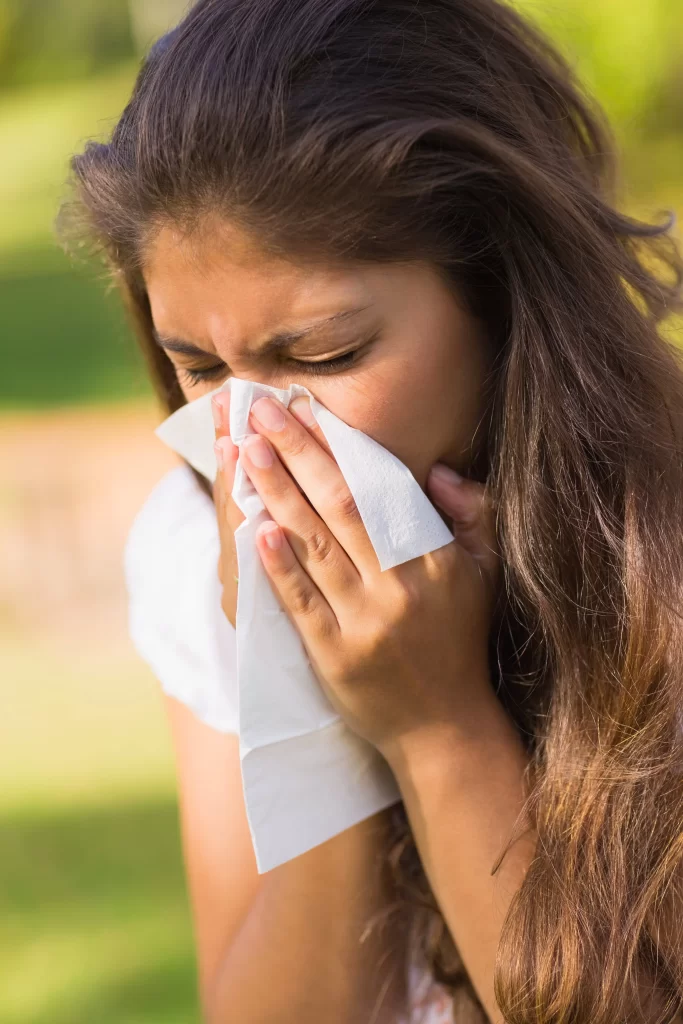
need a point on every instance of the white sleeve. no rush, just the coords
(175, 617)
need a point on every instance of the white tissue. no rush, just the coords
(306, 775)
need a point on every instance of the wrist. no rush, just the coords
(477, 724)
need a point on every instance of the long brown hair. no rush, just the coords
(452, 131)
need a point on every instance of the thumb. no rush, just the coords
(469, 506)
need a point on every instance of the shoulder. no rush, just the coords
(176, 517)
(175, 617)
(172, 543)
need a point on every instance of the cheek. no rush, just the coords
(403, 404)
(422, 406)
(416, 418)
(441, 406)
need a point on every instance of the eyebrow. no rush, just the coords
(277, 341)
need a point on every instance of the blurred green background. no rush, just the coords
(94, 924)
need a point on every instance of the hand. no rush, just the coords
(228, 514)
(396, 652)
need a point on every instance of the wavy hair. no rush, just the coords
(453, 131)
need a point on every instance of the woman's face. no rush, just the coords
(412, 361)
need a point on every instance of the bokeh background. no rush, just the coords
(94, 923)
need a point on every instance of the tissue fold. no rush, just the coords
(306, 776)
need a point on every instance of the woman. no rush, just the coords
(428, 178)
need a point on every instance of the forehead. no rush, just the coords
(211, 243)
(219, 271)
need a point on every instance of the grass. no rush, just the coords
(94, 921)
(94, 924)
(64, 339)
(41, 127)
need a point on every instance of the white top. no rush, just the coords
(175, 617)
(178, 626)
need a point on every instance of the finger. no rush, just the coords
(301, 410)
(227, 518)
(220, 409)
(473, 516)
(312, 542)
(297, 593)
(226, 460)
(227, 513)
(319, 477)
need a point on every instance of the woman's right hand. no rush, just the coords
(345, 880)
(229, 516)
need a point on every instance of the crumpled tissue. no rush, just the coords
(306, 775)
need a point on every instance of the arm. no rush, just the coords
(462, 789)
(285, 945)
(419, 660)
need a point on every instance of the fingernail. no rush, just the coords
(269, 414)
(216, 413)
(301, 408)
(445, 474)
(224, 449)
(273, 537)
(258, 451)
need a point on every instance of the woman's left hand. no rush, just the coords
(396, 652)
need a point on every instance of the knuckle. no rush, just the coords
(319, 546)
(301, 600)
(344, 505)
(297, 444)
(327, 631)
(406, 599)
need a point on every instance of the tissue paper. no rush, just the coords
(306, 776)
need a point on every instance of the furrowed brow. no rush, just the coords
(278, 341)
(184, 348)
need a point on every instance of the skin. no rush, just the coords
(402, 654)
(223, 295)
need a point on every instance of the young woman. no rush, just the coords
(408, 206)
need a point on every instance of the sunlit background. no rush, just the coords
(94, 925)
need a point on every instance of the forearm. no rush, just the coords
(299, 955)
(462, 789)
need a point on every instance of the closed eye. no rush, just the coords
(195, 375)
